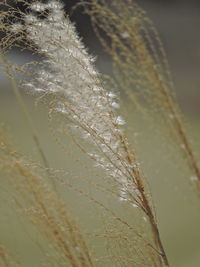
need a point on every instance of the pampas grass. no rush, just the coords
(65, 79)
(43, 207)
(140, 63)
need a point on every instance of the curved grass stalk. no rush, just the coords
(140, 62)
(71, 87)
(44, 209)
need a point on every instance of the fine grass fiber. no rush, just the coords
(74, 191)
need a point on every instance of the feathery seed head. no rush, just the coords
(76, 91)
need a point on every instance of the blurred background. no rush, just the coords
(178, 23)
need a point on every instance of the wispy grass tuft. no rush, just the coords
(140, 66)
(65, 79)
(43, 207)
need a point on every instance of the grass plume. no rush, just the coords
(70, 85)
(64, 77)
(140, 63)
(44, 208)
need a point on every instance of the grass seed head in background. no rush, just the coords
(36, 201)
(140, 66)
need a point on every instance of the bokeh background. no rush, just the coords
(178, 23)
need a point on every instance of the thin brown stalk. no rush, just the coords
(76, 94)
(45, 209)
(140, 62)
(146, 207)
